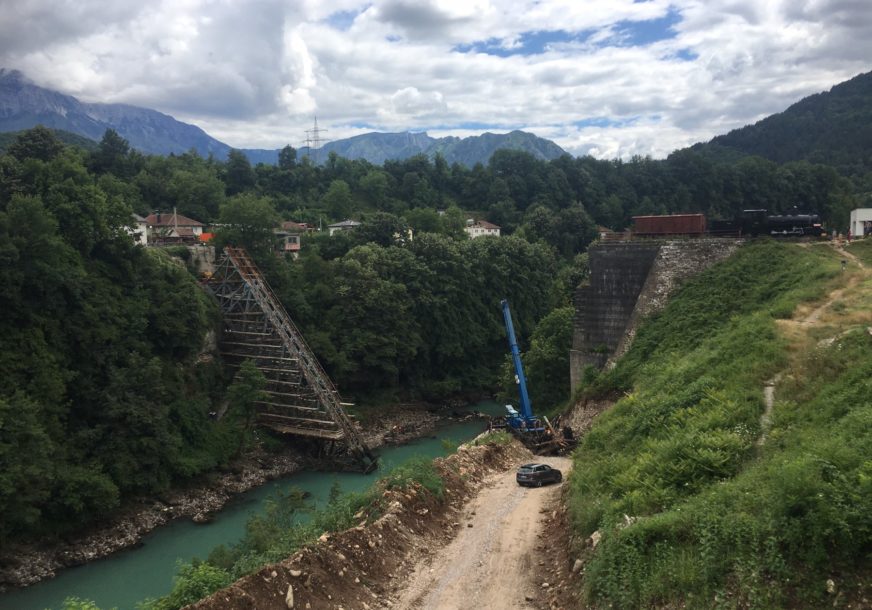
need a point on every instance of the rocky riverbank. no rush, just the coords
(24, 565)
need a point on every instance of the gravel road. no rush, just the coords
(490, 564)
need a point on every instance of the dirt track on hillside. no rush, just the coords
(492, 563)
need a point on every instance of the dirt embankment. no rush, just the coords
(23, 565)
(484, 546)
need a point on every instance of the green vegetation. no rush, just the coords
(101, 393)
(863, 250)
(99, 376)
(830, 127)
(289, 524)
(695, 513)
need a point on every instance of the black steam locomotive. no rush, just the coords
(761, 222)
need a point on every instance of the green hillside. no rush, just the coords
(72, 139)
(832, 128)
(701, 501)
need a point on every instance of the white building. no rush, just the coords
(345, 225)
(140, 233)
(480, 228)
(861, 222)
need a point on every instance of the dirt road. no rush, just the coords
(492, 563)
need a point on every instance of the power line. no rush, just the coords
(314, 140)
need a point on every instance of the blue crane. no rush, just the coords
(523, 421)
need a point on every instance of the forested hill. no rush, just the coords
(833, 128)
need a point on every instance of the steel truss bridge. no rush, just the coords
(301, 400)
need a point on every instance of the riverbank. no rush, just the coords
(483, 541)
(23, 565)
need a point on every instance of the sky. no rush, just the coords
(609, 78)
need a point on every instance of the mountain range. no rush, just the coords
(24, 105)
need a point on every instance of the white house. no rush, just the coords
(861, 222)
(480, 228)
(345, 225)
(140, 232)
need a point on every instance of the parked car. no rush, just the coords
(537, 475)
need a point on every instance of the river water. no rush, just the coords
(125, 578)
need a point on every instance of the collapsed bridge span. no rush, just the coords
(301, 400)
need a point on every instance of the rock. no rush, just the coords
(289, 597)
(545, 585)
(529, 598)
(202, 517)
(294, 573)
(831, 586)
(595, 538)
(273, 574)
(324, 537)
(469, 525)
(576, 566)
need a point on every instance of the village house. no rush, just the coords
(288, 237)
(480, 228)
(345, 225)
(140, 231)
(861, 222)
(172, 229)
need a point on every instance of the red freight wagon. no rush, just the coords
(675, 224)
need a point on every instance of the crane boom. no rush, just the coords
(526, 407)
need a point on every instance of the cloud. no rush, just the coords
(613, 78)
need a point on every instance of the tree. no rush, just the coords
(547, 361)
(37, 143)
(338, 200)
(288, 158)
(383, 229)
(248, 221)
(113, 156)
(242, 397)
(239, 176)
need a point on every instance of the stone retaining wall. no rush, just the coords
(628, 282)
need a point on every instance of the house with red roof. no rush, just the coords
(172, 228)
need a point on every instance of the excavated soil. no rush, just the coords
(482, 546)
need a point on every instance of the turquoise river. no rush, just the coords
(125, 578)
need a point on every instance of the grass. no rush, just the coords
(693, 512)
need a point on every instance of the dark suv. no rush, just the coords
(538, 475)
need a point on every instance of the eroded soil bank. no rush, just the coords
(23, 565)
(486, 545)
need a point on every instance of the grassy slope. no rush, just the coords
(714, 518)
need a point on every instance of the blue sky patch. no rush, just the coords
(624, 33)
(602, 121)
(639, 33)
(686, 55)
(529, 43)
(342, 20)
